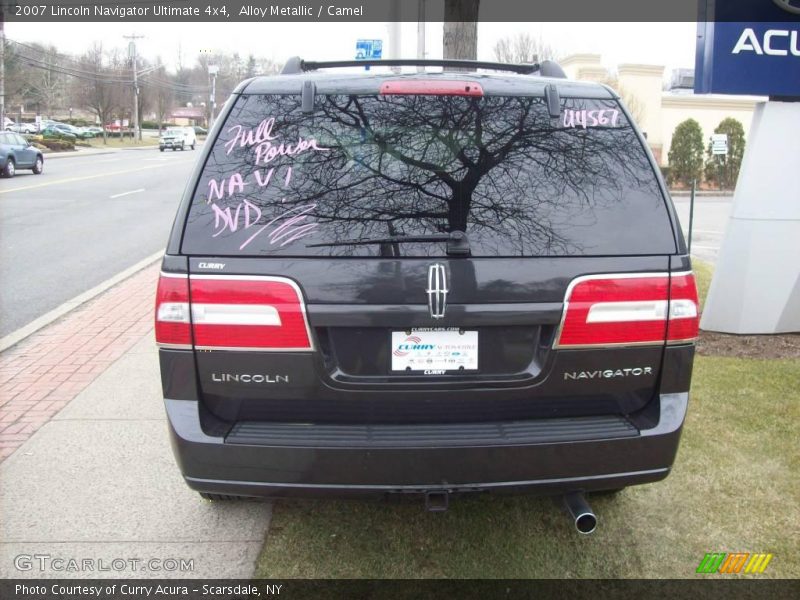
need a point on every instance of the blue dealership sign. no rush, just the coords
(759, 55)
(369, 49)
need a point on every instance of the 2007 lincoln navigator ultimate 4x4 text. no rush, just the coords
(427, 283)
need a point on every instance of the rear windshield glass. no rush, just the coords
(366, 168)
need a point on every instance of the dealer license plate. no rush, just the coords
(434, 351)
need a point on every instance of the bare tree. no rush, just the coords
(100, 93)
(34, 74)
(522, 48)
(164, 98)
(460, 37)
(634, 104)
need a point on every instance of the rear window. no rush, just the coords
(519, 183)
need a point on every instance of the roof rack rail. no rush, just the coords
(297, 65)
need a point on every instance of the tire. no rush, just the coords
(183, 147)
(10, 168)
(161, 149)
(192, 146)
(220, 497)
(38, 166)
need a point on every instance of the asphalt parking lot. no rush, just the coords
(711, 214)
(85, 219)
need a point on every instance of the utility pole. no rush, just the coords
(2, 69)
(394, 32)
(212, 71)
(137, 132)
(421, 32)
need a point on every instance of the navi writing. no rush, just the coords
(292, 222)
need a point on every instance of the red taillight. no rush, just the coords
(444, 87)
(241, 312)
(618, 310)
(172, 311)
(684, 317)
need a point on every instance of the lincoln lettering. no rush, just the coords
(248, 378)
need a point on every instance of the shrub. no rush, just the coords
(79, 122)
(58, 145)
(686, 153)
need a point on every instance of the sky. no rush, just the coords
(669, 44)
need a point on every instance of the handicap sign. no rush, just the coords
(369, 50)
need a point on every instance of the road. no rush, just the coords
(711, 214)
(85, 219)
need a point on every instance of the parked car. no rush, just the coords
(177, 138)
(59, 133)
(428, 284)
(22, 127)
(17, 153)
(119, 130)
(95, 131)
(200, 130)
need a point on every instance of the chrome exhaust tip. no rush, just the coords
(583, 516)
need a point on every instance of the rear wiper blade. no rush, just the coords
(457, 242)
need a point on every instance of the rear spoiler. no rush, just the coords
(547, 68)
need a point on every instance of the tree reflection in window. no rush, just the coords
(517, 181)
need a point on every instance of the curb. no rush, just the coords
(20, 334)
(98, 152)
(687, 193)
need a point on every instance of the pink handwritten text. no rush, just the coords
(590, 118)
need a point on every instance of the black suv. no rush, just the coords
(425, 283)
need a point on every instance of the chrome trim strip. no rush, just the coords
(683, 341)
(174, 346)
(245, 349)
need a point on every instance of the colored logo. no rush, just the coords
(733, 562)
(407, 345)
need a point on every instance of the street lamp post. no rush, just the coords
(212, 72)
(137, 132)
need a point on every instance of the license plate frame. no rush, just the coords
(434, 351)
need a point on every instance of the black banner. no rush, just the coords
(734, 588)
(269, 11)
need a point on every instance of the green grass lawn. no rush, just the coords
(117, 142)
(733, 488)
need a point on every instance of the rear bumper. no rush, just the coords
(551, 457)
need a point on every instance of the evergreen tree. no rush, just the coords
(686, 153)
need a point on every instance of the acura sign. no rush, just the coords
(759, 54)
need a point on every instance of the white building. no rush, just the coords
(657, 111)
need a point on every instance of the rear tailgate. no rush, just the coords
(347, 374)
(296, 324)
